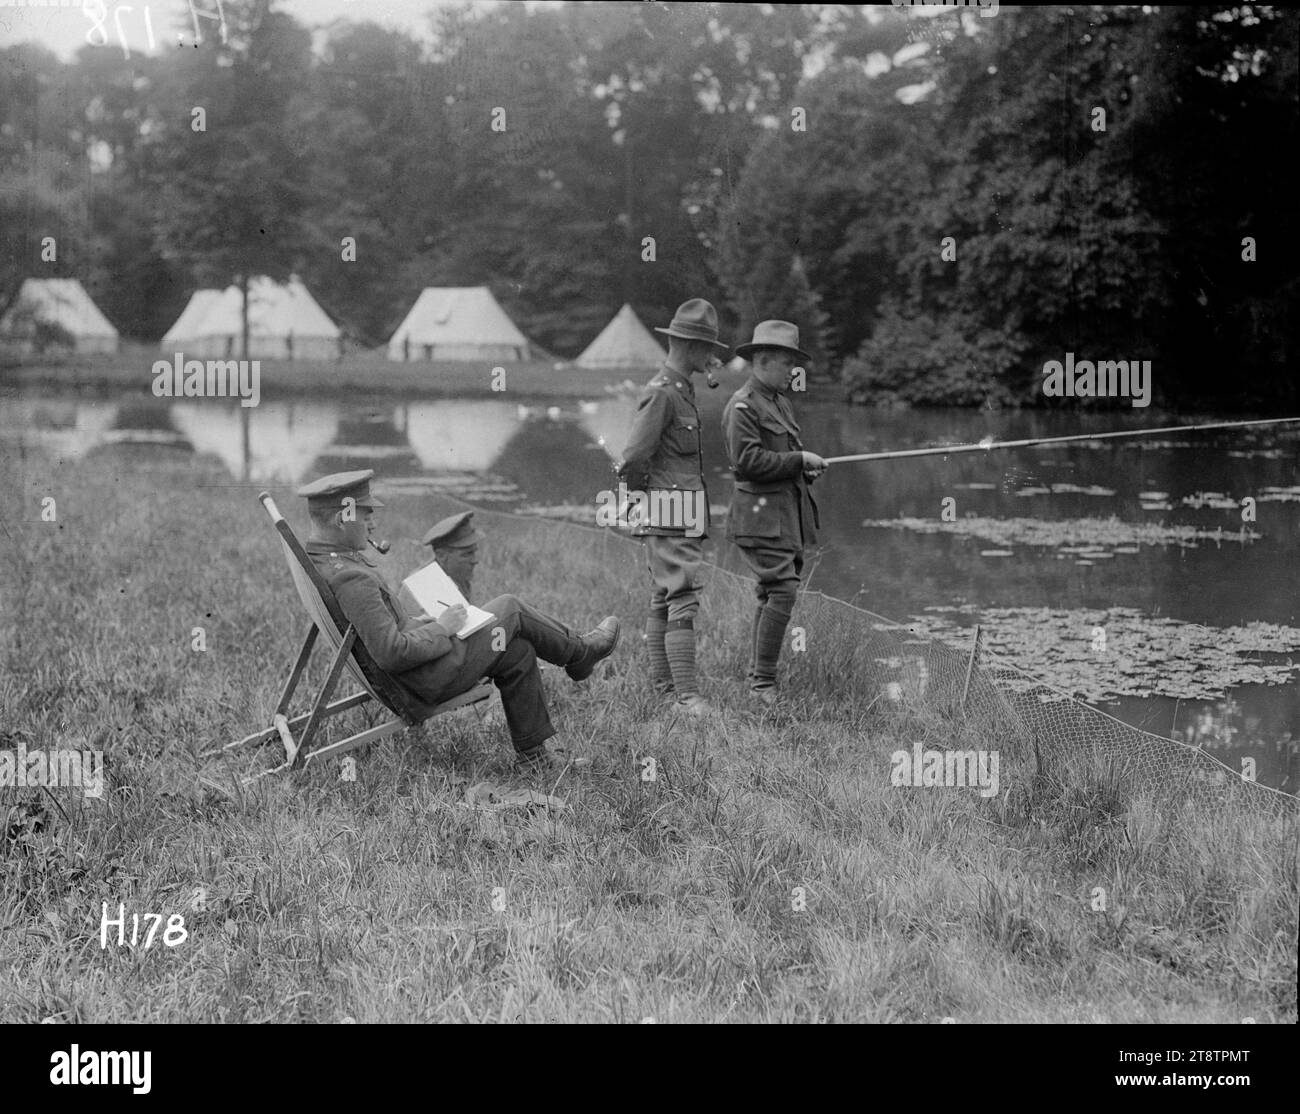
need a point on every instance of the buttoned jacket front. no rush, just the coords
(663, 451)
(771, 505)
(398, 642)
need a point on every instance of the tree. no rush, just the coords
(232, 196)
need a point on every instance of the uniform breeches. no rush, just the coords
(675, 566)
(778, 572)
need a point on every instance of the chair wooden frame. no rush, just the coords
(349, 654)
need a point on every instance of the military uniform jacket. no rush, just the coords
(396, 641)
(663, 451)
(772, 505)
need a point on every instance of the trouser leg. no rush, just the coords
(519, 682)
(679, 647)
(507, 655)
(753, 640)
(778, 572)
(674, 565)
(553, 641)
(767, 651)
(656, 625)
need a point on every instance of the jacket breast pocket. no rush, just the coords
(754, 515)
(776, 437)
(683, 436)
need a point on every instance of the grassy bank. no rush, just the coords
(363, 374)
(769, 872)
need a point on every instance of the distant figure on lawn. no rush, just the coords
(455, 548)
(425, 654)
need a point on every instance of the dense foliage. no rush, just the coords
(805, 162)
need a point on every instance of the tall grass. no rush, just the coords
(769, 872)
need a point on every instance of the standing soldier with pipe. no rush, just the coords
(773, 516)
(663, 459)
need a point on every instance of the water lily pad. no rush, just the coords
(1089, 532)
(1214, 500)
(1141, 656)
(1279, 495)
(1075, 489)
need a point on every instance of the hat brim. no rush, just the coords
(669, 332)
(745, 351)
(372, 501)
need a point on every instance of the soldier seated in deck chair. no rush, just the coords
(423, 653)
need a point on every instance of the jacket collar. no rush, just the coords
(676, 377)
(320, 549)
(757, 386)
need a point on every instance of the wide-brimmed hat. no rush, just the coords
(695, 320)
(773, 334)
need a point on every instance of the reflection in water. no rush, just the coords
(459, 436)
(288, 441)
(71, 430)
(274, 442)
(573, 465)
(609, 422)
(374, 438)
(1231, 731)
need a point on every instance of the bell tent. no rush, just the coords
(623, 345)
(62, 307)
(284, 322)
(457, 323)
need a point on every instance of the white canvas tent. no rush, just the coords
(62, 302)
(623, 344)
(284, 322)
(185, 332)
(457, 323)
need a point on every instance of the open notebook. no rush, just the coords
(432, 591)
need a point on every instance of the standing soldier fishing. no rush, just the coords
(773, 515)
(663, 459)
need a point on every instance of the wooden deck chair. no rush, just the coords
(328, 620)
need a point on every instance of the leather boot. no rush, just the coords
(597, 645)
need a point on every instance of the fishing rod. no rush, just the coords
(988, 443)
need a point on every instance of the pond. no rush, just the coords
(1131, 573)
